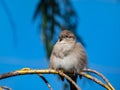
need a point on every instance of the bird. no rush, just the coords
(68, 55)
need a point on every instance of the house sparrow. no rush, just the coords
(68, 55)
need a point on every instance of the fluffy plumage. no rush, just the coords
(68, 55)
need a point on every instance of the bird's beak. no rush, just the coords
(60, 39)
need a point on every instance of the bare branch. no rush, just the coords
(4, 88)
(95, 80)
(101, 75)
(44, 79)
(24, 71)
(29, 71)
(68, 78)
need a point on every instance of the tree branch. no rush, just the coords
(24, 71)
(29, 71)
(95, 80)
(101, 75)
(44, 79)
(4, 88)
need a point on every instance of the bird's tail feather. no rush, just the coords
(74, 78)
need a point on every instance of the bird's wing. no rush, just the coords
(51, 58)
(82, 56)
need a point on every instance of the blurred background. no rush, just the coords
(29, 29)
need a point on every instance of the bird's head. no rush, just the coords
(67, 36)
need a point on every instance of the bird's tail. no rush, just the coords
(74, 78)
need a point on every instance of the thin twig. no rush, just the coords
(95, 80)
(101, 75)
(11, 21)
(44, 79)
(68, 78)
(4, 88)
(98, 73)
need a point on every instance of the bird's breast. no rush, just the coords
(66, 63)
(63, 49)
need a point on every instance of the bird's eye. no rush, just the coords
(66, 36)
(70, 36)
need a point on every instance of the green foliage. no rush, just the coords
(55, 15)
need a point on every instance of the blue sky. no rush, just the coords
(99, 27)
